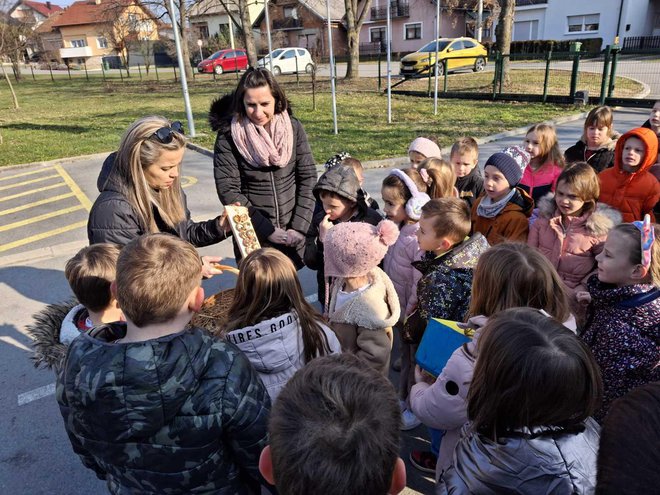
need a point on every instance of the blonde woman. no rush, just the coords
(141, 191)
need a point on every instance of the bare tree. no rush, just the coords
(356, 12)
(15, 36)
(503, 33)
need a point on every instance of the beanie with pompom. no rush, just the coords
(353, 249)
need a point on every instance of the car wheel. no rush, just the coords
(218, 69)
(277, 71)
(479, 64)
(309, 68)
(441, 69)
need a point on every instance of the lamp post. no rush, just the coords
(332, 69)
(182, 69)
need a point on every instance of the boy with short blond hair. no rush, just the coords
(152, 406)
(464, 157)
(450, 258)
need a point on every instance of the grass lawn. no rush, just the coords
(76, 117)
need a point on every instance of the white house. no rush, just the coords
(571, 19)
(209, 18)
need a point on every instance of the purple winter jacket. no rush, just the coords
(623, 332)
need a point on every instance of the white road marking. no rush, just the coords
(311, 299)
(37, 393)
(12, 341)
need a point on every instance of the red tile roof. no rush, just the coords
(86, 12)
(43, 8)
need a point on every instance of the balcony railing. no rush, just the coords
(287, 23)
(398, 8)
(77, 52)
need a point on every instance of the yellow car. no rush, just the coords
(453, 53)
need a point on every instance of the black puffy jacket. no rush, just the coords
(278, 196)
(112, 218)
(601, 158)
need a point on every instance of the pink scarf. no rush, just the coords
(256, 145)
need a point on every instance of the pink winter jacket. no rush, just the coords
(572, 251)
(398, 266)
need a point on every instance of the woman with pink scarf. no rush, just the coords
(262, 160)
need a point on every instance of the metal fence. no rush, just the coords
(607, 77)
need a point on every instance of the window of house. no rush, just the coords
(81, 43)
(203, 30)
(101, 42)
(526, 30)
(412, 31)
(377, 34)
(583, 23)
(290, 11)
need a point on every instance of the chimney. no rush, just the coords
(48, 5)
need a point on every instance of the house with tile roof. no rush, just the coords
(303, 23)
(34, 14)
(93, 29)
(209, 18)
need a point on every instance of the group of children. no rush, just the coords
(561, 298)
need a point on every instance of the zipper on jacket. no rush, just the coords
(277, 205)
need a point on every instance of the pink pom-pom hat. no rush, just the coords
(353, 249)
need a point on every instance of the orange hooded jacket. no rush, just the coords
(633, 194)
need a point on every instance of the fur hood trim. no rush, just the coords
(366, 309)
(608, 146)
(49, 352)
(598, 224)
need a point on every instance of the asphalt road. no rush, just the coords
(38, 234)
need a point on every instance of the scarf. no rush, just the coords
(488, 209)
(256, 145)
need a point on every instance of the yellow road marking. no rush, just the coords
(23, 174)
(36, 203)
(32, 191)
(187, 181)
(25, 183)
(39, 218)
(42, 235)
(84, 200)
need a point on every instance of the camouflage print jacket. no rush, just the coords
(184, 413)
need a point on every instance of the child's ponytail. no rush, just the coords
(439, 177)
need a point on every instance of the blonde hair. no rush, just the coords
(550, 152)
(155, 275)
(442, 178)
(601, 116)
(582, 177)
(451, 217)
(90, 273)
(268, 287)
(465, 145)
(633, 236)
(512, 275)
(138, 150)
(354, 163)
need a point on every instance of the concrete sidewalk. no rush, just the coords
(37, 453)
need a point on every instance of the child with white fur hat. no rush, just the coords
(420, 149)
(363, 302)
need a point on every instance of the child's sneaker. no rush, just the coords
(424, 460)
(409, 421)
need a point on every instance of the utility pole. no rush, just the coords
(332, 70)
(270, 44)
(182, 70)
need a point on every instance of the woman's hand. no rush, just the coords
(223, 220)
(278, 237)
(293, 237)
(324, 227)
(208, 270)
(423, 376)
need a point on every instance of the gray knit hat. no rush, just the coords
(512, 162)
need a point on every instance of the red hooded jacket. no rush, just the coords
(633, 194)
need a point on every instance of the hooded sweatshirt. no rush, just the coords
(113, 219)
(633, 194)
(276, 350)
(599, 159)
(183, 413)
(342, 181)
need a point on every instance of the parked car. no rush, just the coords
(473, 55)
(224, 61)
(288, 61)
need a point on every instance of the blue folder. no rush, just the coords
(441, 338)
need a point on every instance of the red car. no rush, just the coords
(224, 61)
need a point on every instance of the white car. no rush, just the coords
(288, 61)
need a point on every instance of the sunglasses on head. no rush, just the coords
(164, 134)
